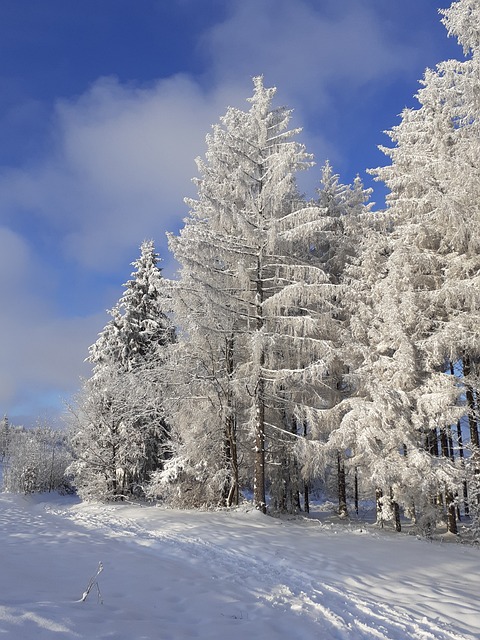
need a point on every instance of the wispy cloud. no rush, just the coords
(40, 349)
(305, 47)
(120, 160)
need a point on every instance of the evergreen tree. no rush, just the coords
(346, 218)
(36, 461)
(255, 302)
(431, 287)
(120, 434)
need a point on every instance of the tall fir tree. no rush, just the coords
(433, 264)
(255, 302)
(120, 434)
(346, 211)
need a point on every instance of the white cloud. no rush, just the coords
(304, 48)
(40, 349)
(121, 160)
(120, 163)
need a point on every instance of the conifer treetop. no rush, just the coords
(462, 20)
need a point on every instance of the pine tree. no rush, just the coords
(348, 207)
(139, 320)
(255, 302)
(345, 213)
(433, 267)
(120, 434)
(461, 288)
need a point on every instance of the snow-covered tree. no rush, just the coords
(346, 213)
(4, 437)
(255, 301)
(427, 299)
(120, 435)
(139, 320)
(36, 461)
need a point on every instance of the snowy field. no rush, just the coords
(174, 575)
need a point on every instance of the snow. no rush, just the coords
(236, 575)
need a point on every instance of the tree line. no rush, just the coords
(34, 460)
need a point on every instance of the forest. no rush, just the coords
(307, 344)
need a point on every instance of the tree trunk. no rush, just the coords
(342, 488)
(471, 404)
(444, 443)
(473, 426)
(295, 487)
(451, 517)
(450, 444)
(306, 499)
(113, 467)
(378, 505)
(461, 453)
(294, 491)
(396, 513)
(231, 493)
(259, 478)
(432, 443)
(356, 491)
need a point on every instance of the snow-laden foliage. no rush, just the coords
(462, 20)
(4, 437)
(36, 460)
(253, 297)
(202, 470)
(433, 262)
(139, 320)
(119, 431)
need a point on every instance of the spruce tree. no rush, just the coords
(254, 300)
(432, 268)
(345, 212)
(120, 434)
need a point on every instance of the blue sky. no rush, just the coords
(104, 105)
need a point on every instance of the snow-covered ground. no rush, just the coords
(240, 575)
